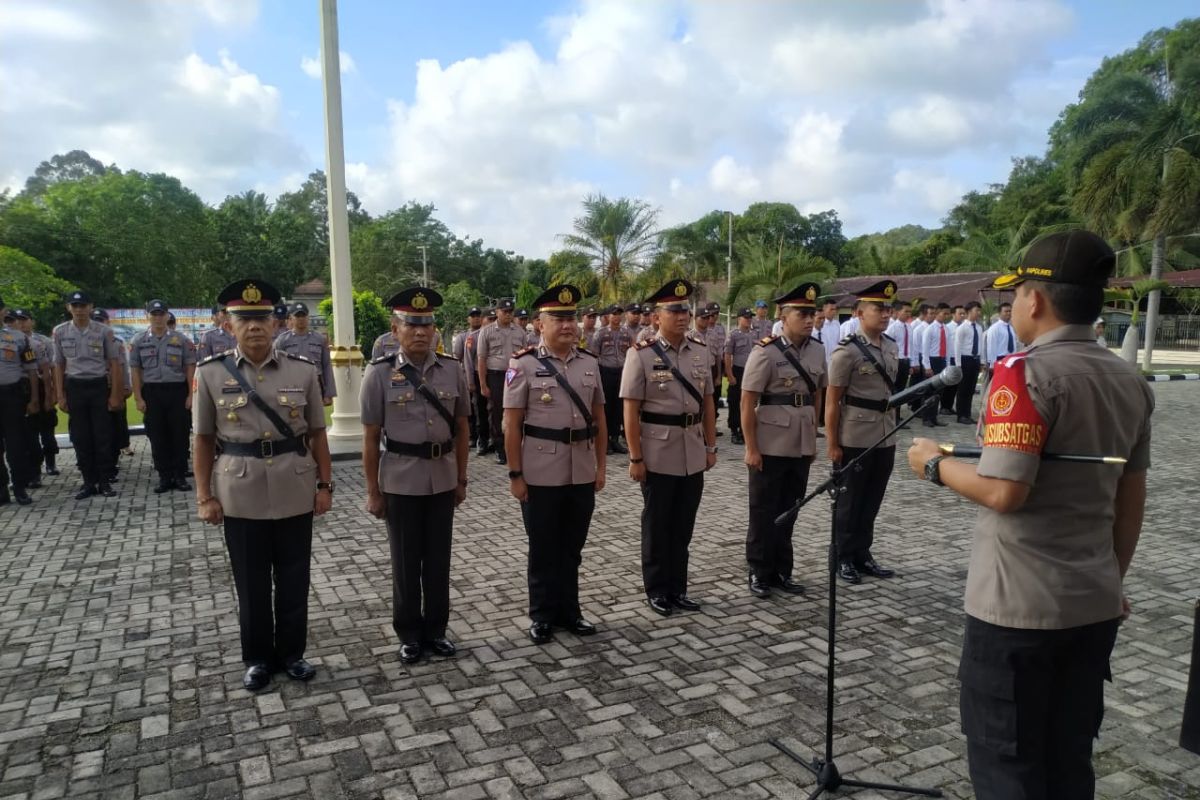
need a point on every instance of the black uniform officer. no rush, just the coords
(118, 416)
(737, 349)
(18, 397)
(43, 447)
(163, 365)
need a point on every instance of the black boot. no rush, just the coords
(165, 484)
(615, 446)
(50, 468)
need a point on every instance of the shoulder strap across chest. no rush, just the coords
(795, 362)
(692, 390)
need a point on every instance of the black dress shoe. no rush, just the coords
(187, 473)
(928, 424)
(686, 603)
(182, 485)
(52, 470)
(869, 567)
(938, 423)
(22, 498)
(758, 587)
(107, 490)
(617, 447)
(410, 652)
(660, 606)
(442, 646)
(581, 627)
(848, 573)
(541, 632)
(300, 670)
(720, 433)
(482, 449)
(164, 485)
(788, 585)
(256, 678)
(85, 492)
(501, 458)
(34, 484)
(965, 421)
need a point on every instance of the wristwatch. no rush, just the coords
(712, 449)
(327, 485)
(933, 470)
(513, 474)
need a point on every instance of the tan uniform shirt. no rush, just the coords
(498, 343)
(260, 488)
(862, 427)
(1050, 564)
(785, 430)
(84, 352)
(669, 449)
(390, 400)
(532, 388)
(610, 346)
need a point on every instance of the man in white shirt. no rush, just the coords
(969, 344)
(850, 326)
(917, 328)
(957, 315)
(1001, 339)
(898, 329)
(831, 335)
(936, 349)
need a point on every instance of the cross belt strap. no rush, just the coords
(798, 400)
(787, 353)
(678, 420)
(862, 402)
(569, 389)
(887, 379)
(427, 450)
(262, 448)
(692, 390)
(410, 372)
(564, 435)
(256, 398)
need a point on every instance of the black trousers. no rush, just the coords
(419, 533)
(472, 414)
(716, 384)
(495, 382)
(614, 407)
(965, 391)
(903, 372)
(90, 427)
(668, 517)
(482, 427)
(556, 521)
(858, 505)
(781, 483)
(1031, 703)
(270, 560)
(735, 400)
(15, 435)
(930, 411)
(166, 422)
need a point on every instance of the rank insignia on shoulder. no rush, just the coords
(296, 357)
(524, 352)
(214, 357)
(766, 340)
(847, 340)
(642, 345)
(449, 356)
(384, 359)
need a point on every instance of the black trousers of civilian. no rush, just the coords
(614, 407)
(668, 518)
(858, 505)
(90, 427)
(930, 411)
(902, 375)
(482, 426)
(1031, 703)
(15, 435)
(420, 528)
(556, 521)
(495, 382)
(782, 481)
(965, 391)
(735, 400)
(270, 560)
(166, 422)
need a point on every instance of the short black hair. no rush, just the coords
(829, 301)
(1004, 305)
(972, 304)
(923, 308)
(957, 306)
(899, 304)
(1074, 305)
(943, 306)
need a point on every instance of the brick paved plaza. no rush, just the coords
(120, 671)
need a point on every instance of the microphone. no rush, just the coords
(950, 376)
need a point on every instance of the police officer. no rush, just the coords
(263, 469)
(610, 346)
(862, 373)
(386, 344)
(650, 329)
(761, 324)
(280, 314)
(163, 367)
(783, 386)
(18, 398)
(458, 349)
(1053, 539)
(497, 343)
(709, 331)
(299, 340)
(43, 447)
(118, 416)
(937, 349)
(414, 405)
(553, 421)
(588, 332)
(89, 383)
(737, 350)
(217, 339)
(479, 406)
(670, 425)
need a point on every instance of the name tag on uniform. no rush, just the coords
(230, 389)
(289, 389)
(543, 373)
(781, 363)
(661, 366)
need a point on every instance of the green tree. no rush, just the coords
(27, 283)
(73, 166)
(770, 268)
(371, 318)
(457, 299)
(526, 293)
(703, 245)
(299, 226)
(618, 237)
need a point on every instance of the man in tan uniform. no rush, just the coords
(262, 468)
(862, 373)
(1053, 539)
(553, 422)
(670, 425)
(610, 345)
(414, 405)
(496, 346)
(782, 386)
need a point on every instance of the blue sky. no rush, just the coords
(886, 112)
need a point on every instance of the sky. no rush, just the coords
(506, 115)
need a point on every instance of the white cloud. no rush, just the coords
(312, 66)
(922, 192)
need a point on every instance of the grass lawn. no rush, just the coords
(135, 416)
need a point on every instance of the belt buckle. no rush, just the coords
(570, 436)
(689, 420)
(798, 400)
(266, 448)
(435, 450)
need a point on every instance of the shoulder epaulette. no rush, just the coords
(525, 352)
(847, 340)
(766, 340)
(693, 336)
(583, 351)
(214, 357)
(295, 357)
(384, 359)
(643, 344)
(449, 357)
(889, 338)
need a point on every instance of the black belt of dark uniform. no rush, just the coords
(678, 420)
(798, 400)
(97, 379)
(564, 435)
(862, 402)
(427, 450)
(262, 448)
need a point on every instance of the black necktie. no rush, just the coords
(974, 341)
(1010, 337)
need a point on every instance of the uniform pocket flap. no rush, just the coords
(660, 432)
(774, 415)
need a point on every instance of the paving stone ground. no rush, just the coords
(120, 671)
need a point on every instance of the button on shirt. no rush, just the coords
(785, 430)
(862, 427)
(738, 346)
(611, 345)
(315, 347)
(162, 359)
(84, 352)
(17, 357)
(498, 342)
(669, 449)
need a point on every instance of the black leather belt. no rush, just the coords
(678, 420)
(862, 402)
(262, 448)
(798, 400)
(73, 379)
(429, 450)
(564, 435)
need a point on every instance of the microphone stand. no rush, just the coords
(824, 769)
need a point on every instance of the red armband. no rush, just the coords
(1011, 421)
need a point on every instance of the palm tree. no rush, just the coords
(770, 269)
(618, 237)
(1000, 250)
